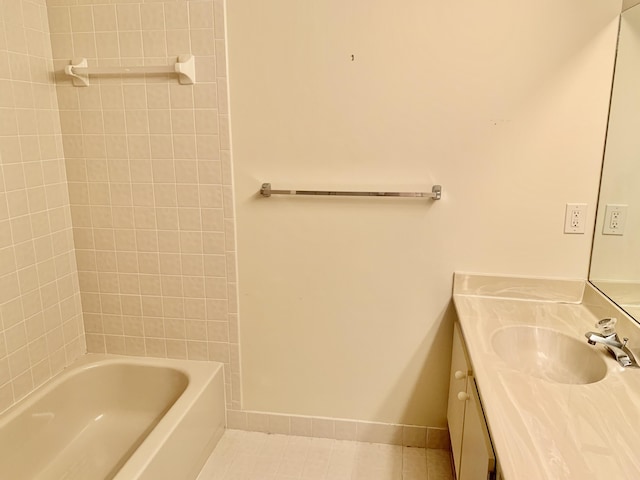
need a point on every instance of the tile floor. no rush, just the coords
(259, 456)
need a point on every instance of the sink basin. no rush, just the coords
(548, 354)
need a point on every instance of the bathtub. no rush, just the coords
(115, 417)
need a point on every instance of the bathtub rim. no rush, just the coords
(192, 369)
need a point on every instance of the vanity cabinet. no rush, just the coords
(473, 456)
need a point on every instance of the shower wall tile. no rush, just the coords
(41, 328)
(149, 177)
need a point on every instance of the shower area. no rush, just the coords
(116, 209)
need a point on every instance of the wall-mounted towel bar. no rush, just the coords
(185, 68)
(435, 193)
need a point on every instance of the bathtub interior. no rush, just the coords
(90, 424)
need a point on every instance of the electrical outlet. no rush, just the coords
(575, 217)
(615, 217)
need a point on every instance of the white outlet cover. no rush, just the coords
(575, 218)
(611, 227)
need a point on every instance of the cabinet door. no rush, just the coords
(478, 460)
(460, 370)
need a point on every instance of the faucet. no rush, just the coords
(612, 342)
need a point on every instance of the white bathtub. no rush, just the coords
(115, 417)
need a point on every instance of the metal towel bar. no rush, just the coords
(435, 193)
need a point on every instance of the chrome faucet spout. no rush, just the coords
(617, 348)
(609, 340)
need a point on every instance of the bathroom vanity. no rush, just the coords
(467, 427)
(556, 408)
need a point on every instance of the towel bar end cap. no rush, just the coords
(265, 190)
(78, 80)
(186, 69)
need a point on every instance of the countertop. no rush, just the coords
(543, 430)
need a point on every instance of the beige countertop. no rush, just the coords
(542, 430)
(625, 294)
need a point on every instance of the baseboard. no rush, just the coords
(339, 429)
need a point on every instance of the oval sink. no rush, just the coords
(549, 355)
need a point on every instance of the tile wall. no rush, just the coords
(149, 173)
(41, 327)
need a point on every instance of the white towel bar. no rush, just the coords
(185, 68)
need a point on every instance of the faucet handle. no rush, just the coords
(606, 326)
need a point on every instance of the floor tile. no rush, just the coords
(439, 465)
(244, 455)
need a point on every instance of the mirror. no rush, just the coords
(615, 259)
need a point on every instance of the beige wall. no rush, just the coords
(618, 257)
(345, 302)
(40, 314)
(626, 4)
(149, 172)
